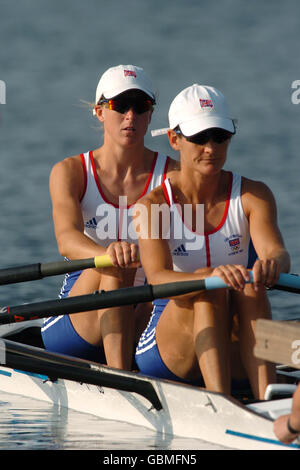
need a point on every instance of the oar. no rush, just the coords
(31, 359)
(33, 272)
(278, 341)
(288, 283)
(100, 300)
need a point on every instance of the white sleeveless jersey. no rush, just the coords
(105, 222)
(229, 243)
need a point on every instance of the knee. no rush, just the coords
(115, 278)
(252, 304)
(217, 296)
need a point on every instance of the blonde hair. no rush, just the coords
(91, 107)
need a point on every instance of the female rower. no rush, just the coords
(188, 338)
(92, 195)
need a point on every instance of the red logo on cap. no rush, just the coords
(206, 103)
(129, 73)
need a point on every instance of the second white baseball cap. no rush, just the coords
(198, 108)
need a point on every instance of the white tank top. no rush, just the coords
(228, 243)
(105, 222)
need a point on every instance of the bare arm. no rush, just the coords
(260, 208)
(293, 419)
(66, 190)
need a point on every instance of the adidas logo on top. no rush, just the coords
(91, 223)
(180, 251)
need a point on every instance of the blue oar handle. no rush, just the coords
(212, 283)
(288, 281)
(217, 283)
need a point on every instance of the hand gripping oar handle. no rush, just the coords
(33, 272)
(286, 282)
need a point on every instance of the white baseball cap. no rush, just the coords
(198, 108)
(121, 78)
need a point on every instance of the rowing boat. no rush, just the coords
(163, 406)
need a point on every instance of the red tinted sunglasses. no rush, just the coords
(122, 105)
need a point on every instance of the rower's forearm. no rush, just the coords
(76, 245)
(281, 256)
(284, 260)
(168, 275)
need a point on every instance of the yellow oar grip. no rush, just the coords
(103, 261)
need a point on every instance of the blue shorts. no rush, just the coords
(68, 282)
(147, 355)
(59, 335)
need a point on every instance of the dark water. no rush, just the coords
(51, 56)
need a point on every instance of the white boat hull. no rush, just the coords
(187, 411)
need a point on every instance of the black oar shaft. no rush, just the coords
(75, 304)
(30, 272)
(58, 267)
(33, 272)
(101, 300)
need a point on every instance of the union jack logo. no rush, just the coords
(234, 244)
(129, 73)
(206, 103)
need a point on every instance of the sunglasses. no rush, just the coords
(215, 134)
(122, 105)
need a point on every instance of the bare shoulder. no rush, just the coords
(256, 188)
(67, 175)
(70, 165)
(156, 196)
(255, 194)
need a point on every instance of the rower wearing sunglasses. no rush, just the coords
(93, 195)
(212, 213)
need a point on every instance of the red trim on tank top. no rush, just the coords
(84, 175)
(210, 232)
(99, 186)
(214, 230)
(165, 191)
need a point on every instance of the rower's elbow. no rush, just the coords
(155, 278)
(286, 263)
(62, 247)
